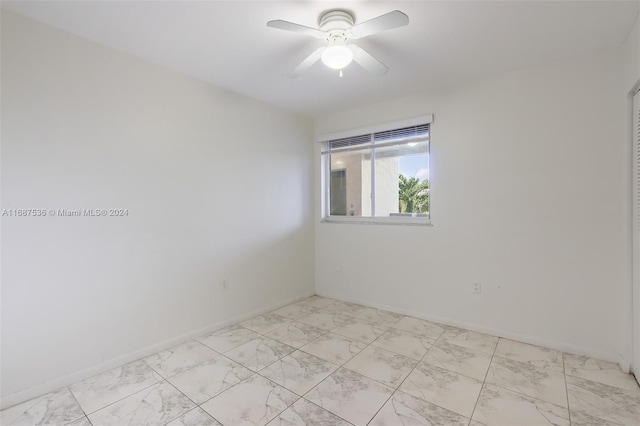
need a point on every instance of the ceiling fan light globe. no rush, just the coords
(337, 57)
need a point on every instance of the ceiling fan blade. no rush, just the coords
(296, 28)
(385, 22)
(368, 62)
(307, 63)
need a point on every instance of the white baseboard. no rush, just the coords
(42, 389)
(551, 344)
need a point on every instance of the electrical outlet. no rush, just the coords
(225, 285)
(477, 288)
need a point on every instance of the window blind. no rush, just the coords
(399, 136)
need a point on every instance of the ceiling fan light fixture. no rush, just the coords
(337, 56)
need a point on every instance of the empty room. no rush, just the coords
(278, 213)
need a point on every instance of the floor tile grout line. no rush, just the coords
(291, 390)
(254, 372)
(342, 366)
(457, 372)
(370, 345)
(295, 393)
(322, 408)
(199, 343)
(397, 389)
(602, 383)
(79, 405)
(484, 381)
(522, 394)
(277, 328)
(35, 401)
(437, 324)
(566, 388)
(229, 388)
(197, 407)
(120, 399)
(186, 396)
(529, 365)
(217, 354)
(339, 366)
(266, 378)
(526, 396)
(125, 397)
(130, 395)
(230, 349)
(318, 384)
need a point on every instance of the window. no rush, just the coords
(381, 176)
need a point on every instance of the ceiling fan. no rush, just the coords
(337, 27)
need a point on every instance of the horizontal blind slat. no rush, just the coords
(388, 137)
(404, 133)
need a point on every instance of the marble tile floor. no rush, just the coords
(326, 362)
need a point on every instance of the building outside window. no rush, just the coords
(380, 176)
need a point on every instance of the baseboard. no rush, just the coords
(39, 390)
(551, 344)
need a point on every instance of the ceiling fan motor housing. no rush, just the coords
(336, 23)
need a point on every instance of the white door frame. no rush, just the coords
(635, 361)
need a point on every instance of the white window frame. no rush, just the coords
(326, 174)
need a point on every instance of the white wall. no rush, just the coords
(631, 56)
(217, 187)
(529, 191)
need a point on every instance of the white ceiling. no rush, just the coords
(446, 43)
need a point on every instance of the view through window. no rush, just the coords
(379, 175)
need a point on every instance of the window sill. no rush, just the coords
(410, 221)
